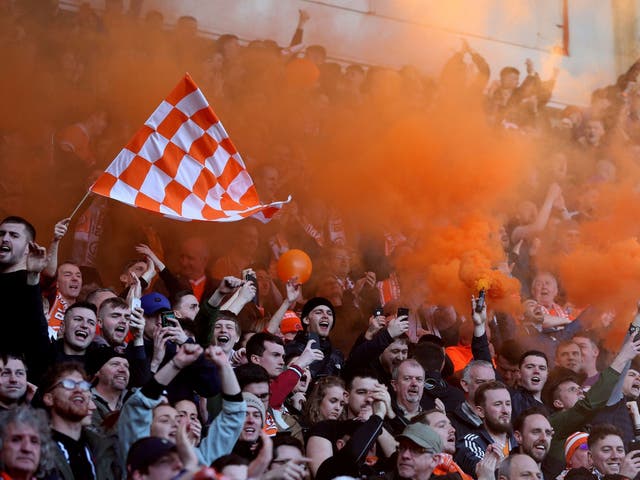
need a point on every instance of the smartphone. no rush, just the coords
(378, 312)
(135, 303)
(168, 318)
(480, 301)
(249, 276)
(316, 339)
(403, 311)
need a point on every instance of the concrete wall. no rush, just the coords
(426, 32)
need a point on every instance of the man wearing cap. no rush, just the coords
(153, 458)
(110, 386)
(318, 318)
(419, 449)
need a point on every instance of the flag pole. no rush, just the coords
(80, 204)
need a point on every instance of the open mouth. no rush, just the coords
(5, 248)
(79, 399)
(535, 380)
(323, 324)
(222, 339)
(81, 334)
(122, 378)
(120, 329)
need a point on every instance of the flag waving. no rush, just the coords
(182, 163)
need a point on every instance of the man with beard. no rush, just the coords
(533, 375)
(464, 417)
(493, 404)
(116, 321)
(21, 261)
(13, 381)
(110, 387)
(533, 432)
(80, 454)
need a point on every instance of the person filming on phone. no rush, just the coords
(318, 318)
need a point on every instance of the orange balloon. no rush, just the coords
(294, 263)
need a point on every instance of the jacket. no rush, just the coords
(104, 457)
(137, 412)
(333, 359)
(471, 448)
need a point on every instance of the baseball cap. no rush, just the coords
(147, 451)
(290, 323)
(154, 302)
(424, 436)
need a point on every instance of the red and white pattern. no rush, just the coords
(182, 163)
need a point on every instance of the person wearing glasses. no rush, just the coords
(79, 454)
(419, 449)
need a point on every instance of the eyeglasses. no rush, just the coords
(69, 384)
(413, 449)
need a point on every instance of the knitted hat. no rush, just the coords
(316, 302)
(574, 442)
(290, 323)
(96, 359)
(255, 402)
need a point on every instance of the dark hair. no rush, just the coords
(256, 344)
(6, 356)
(518, 423)
(429, 355)
(557, 377)
(481, 392)
(532, 353)
(82, 304)
(177, 298)
(601, 430)
(595, 340)
(510, 351)
(285, 439)
(31, 231)
(359, 373)
(423, 417)
(251, 373)
(229, 459)
(508, 70)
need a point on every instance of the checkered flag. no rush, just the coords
(182, 163)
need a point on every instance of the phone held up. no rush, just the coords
(168, 319)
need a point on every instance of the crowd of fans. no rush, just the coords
(121, 363)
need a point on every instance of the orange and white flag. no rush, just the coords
(182, 163)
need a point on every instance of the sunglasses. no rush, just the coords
(69, 384)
